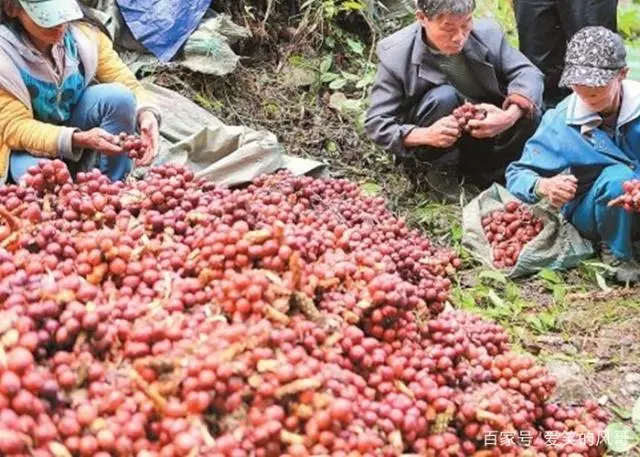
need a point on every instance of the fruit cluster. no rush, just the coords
(508, 231)
(630, 199)
(133, 145)
(467, 112)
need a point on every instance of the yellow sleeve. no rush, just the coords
(111, 69)
(19, 131)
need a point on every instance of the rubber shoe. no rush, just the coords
(625, 271)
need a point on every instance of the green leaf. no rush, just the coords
(620, 438)
(559, 292)
(326, 64)
(352, 6)
(550, 276)
(466, 300)
(456, 232)
(549, 320)
(370, 188)
(330, 42)
(493, 275)
(495, 299)
(602, 283)
(623, 413)
(635, 414)
(332, 146)
(355, 46)
(600, 266)
(328, 77)
(536, 324)
(350, 76)
(338, 84)
(367, 80)
(628, 19)
(512, 292)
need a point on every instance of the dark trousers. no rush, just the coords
(481, 161)
(545, 27)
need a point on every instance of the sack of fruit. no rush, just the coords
(518, 239)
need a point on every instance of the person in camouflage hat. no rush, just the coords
(586, 148)
(65, 93)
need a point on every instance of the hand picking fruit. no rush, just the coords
(133, 145)
(630, 200)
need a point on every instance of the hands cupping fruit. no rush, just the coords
(467, 112)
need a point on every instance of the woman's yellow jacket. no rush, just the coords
(19, 131)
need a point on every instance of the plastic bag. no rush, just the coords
(163, 26)
(558, 247)
(208, 49)
(221, 153)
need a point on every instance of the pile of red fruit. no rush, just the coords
(508, 231)
(170, 317)
(630, 199)
(133, 145)
(467, 112)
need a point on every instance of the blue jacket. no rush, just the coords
(569, 140)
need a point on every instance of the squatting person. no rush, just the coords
(588, 146)
(50, 105)
(433, 66)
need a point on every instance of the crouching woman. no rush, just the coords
(65, 93)
(587, 147)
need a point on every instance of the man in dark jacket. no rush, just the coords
(545, 27)
(433, 66)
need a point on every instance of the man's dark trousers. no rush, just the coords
(481, 161)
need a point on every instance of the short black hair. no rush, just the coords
(434, 8)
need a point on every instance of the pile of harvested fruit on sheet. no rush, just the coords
(171, 317)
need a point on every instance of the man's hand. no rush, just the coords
(444, 133)
(97, 139)
(150, 134)
(559, 190)
(495, 122)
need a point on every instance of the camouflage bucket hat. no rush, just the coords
(51, 13)
(594, 56)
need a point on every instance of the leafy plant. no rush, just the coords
(499, 298)
(598, 273)
(622, 438)
(502, 12)
(362, 72)
(554, 283)
(495, 297)
(629, 21)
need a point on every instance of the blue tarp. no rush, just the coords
(163, 26)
